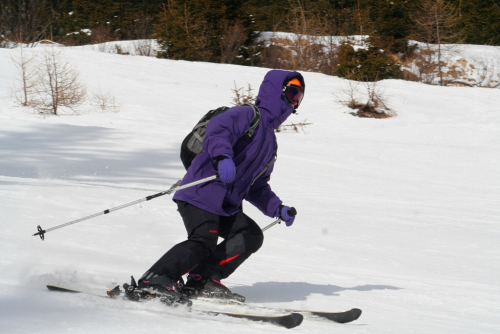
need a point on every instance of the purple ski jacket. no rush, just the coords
(253, 157)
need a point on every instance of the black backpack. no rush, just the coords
(191, 145)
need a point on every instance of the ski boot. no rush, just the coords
(156, 288)
(200, 286)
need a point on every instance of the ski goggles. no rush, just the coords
(293, 94)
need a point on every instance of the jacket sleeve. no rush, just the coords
(261, 195)
(224, 130)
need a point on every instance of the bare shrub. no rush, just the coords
(487, 76)
(434, 64)
(308, 49)
(144, 47)
(369, 103)
(120, 51)
(275, 55)
(104, 101)
(410, 76)
(436, 22)
(106, 47)
(103, 33)
(243, 97)
(23, 89)
(422, 64)
(58, 83)
(232, 39)
(376, 106)
(293, 127)
(348, 92)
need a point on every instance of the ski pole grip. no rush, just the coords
(292, 212)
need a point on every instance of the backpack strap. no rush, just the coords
(267, 167)
(199, 125)
(254, 123)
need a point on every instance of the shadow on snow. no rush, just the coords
(262, 292)
(83, 153)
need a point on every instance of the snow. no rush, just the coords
(461, 64)
(139, 47)
(397, 216)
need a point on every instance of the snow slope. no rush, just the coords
(398, 217)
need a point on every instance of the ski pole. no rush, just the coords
(291, 212)
(41, 232)
(277, 221)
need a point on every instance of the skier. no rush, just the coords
(214, 209)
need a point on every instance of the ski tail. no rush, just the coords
(61, 289)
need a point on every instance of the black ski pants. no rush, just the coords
(200, 253)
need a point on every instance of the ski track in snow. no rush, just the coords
(399, 217)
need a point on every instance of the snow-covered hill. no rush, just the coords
(399, 217)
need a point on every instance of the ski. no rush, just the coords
(61, 289)
(342, 317)
(290, 320)
(287, 320)
(338, 317)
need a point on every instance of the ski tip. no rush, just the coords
(351, 315)
(340, 317)
(292, 321)
(357, 313)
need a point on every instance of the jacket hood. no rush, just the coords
(271, 101)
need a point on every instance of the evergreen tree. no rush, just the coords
(391, 23)
(106, 19)
(26, 21)
(366, 64)
(206, 30)
(479, 21)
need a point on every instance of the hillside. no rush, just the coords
(398, 217)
